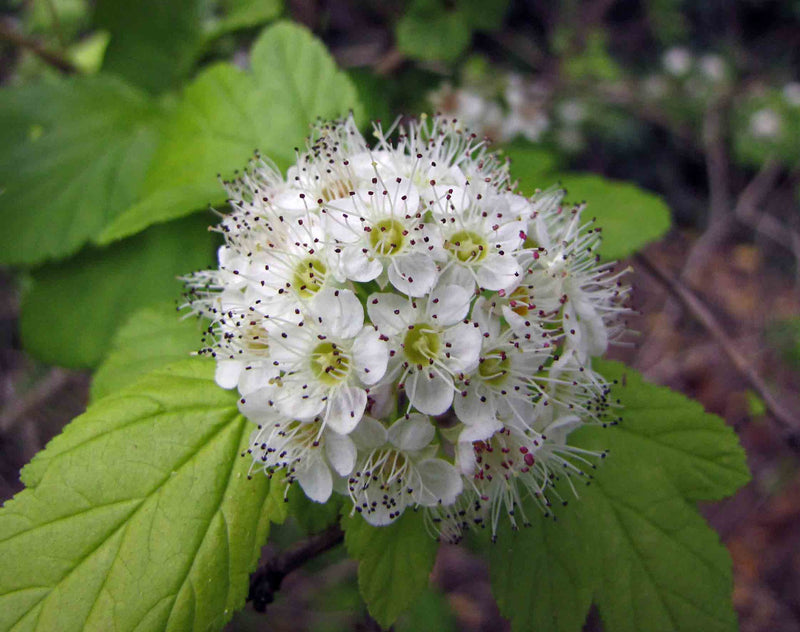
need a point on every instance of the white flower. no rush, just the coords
(379, 229)
(303, 449)
(479, 302)
(766, 123)
(713, 67)
(568, 388)
(480, 238)
(791, 93)
(399, 470)
(502, 386)
(677, 61)
(429, 341)
(327, 362)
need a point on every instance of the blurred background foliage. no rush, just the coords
(117, 117)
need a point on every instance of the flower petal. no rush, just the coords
(227, 373)
(413, 274)
(463, 344)
(369, 434)
(339, 312)
(390, 313)
(475, 406)
(255, 378)
(478, 432)
(315, 479)
(370, 356)
(412, 433)
(429, 393)
(341, 452)
(448, 304)
(357, 266)
(441, 483)
(345, 408)
(483, 314)
(499, 272)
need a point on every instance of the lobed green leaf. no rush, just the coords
(542, 575)
(154, 44)
(633, 542)
(150, 338)
(432, 31)
(629, 217)
(242, 14)
(227, 114)
(661, 567)
(139, 516)
(698, 451)
(395, 562)
(73, 154)
(69, 315)
(532, 167)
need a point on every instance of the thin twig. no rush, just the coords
(266, 581)
(10, 34)
(747, 208)
(34, 399)
(719, 204)
(788, 424)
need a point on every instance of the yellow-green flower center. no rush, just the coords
(519, 301)
(309, 276)
(329, 363)
(494, 368)
(387, 237)
(468, 247)
(421, 344)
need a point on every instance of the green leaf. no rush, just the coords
(375, 93)
(698, 451)
(630, 217)
(661, 567)
(154, 44)
(71, 312)
(395, 562)
(482, 15)
(141, 515)
(531, 166)
(149, 339)
(542, 576)
(431, 31)
(431, 612)
(313, 517)
(242, 14)
(73, 154)
(633, 540)
(226, 114)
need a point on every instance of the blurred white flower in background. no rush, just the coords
(677, 61)
(765, 124)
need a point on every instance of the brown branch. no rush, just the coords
(34, 399)
(719, 216)
(266, 581)
(788, 425)
(753, 196)
(10, 34)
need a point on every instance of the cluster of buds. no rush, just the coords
(406, 330)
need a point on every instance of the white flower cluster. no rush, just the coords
(523, 113)
(406, 330)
